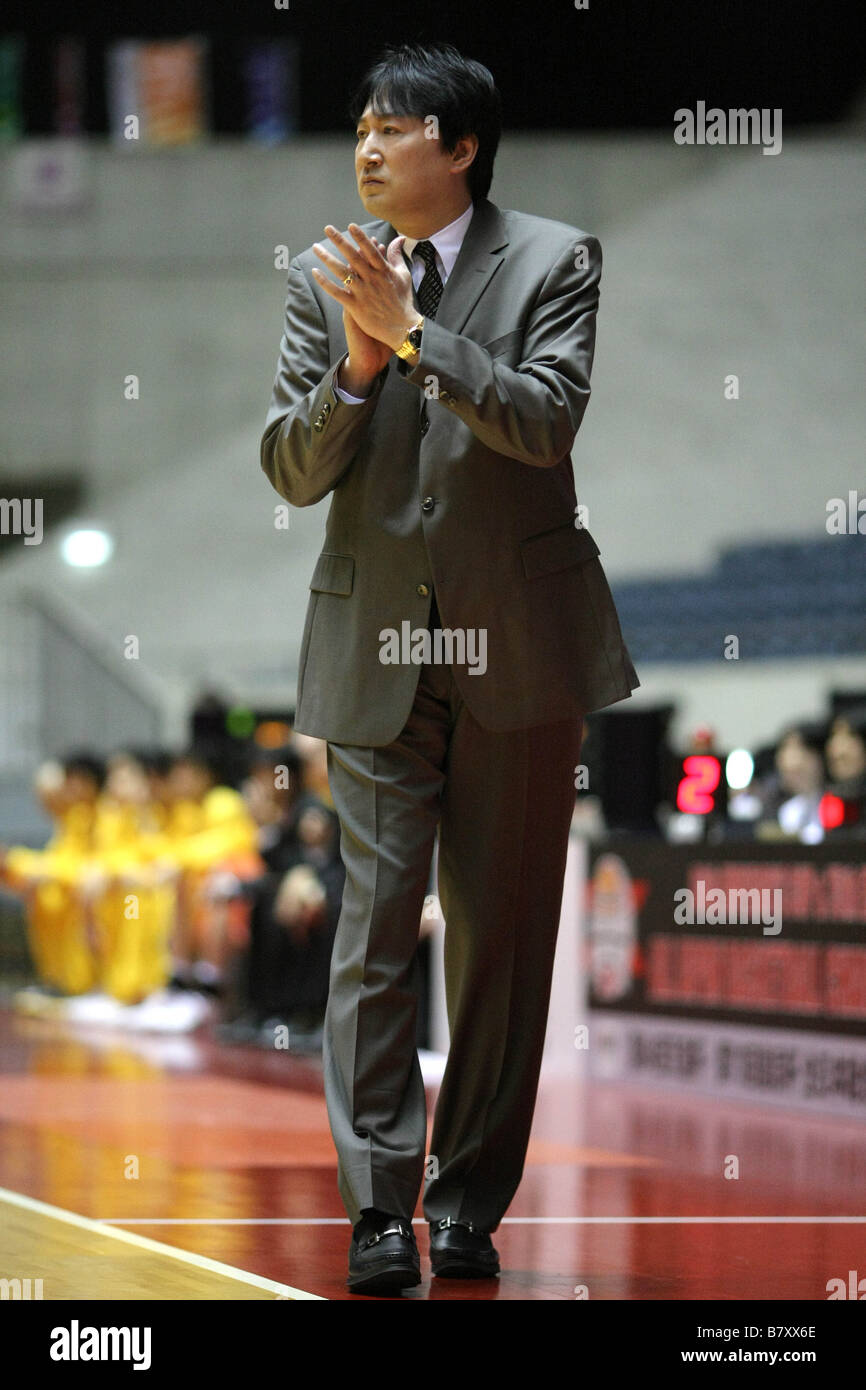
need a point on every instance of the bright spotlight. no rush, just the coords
(86, 549)
(739, 767)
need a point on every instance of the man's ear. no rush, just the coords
(466, 145)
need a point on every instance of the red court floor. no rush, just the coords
(226, 1152)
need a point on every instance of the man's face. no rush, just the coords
(188, 782)
(846, 752)
(800, 768)
(127, 782)
(79, 786)
(415, 176)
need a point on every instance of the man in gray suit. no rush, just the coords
(432, 376)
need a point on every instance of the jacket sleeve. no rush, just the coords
(533, 411)
(311, 435)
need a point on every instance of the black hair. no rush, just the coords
(435, 79)
(765, 761)
(855, 717)
(204, 758)
(278, 757)
(84, 763)
(811, 732)
(155, 761)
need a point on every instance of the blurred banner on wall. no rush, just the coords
(11, 59)
(157, 92)
(270, 69)
(69, 86)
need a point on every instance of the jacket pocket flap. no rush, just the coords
(333, 574)
(501, 344)
(557, 550)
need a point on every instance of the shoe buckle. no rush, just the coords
(397, 1230)
(448, 1221)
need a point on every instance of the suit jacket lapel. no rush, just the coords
(476, 262)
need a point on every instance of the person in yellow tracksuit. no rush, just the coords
(208, 826)
(50, 879)
(132, 886)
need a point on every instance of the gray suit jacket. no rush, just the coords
(455, 475)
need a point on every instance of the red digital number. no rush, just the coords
(695, 791)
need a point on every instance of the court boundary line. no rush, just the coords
(506, 1220)
(105, 1228)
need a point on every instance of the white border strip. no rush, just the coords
(104, 1228)
(506, 1221)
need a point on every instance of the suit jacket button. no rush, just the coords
(326, 408)
(428, 504)
(422, 590)
(319, 424)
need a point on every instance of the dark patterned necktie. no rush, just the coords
(431, 287)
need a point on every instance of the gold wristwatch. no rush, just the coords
(410, 348)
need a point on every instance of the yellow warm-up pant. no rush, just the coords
(58, 937)
(134, 926)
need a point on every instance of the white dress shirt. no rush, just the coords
(446, 243)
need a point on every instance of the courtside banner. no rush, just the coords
(736, 969)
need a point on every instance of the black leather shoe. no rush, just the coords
(459, 1251)
(383, 1257)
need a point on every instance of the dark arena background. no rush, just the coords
(168, 903)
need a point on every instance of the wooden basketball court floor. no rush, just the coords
(176, 1168)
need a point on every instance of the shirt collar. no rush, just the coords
(447, 240)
